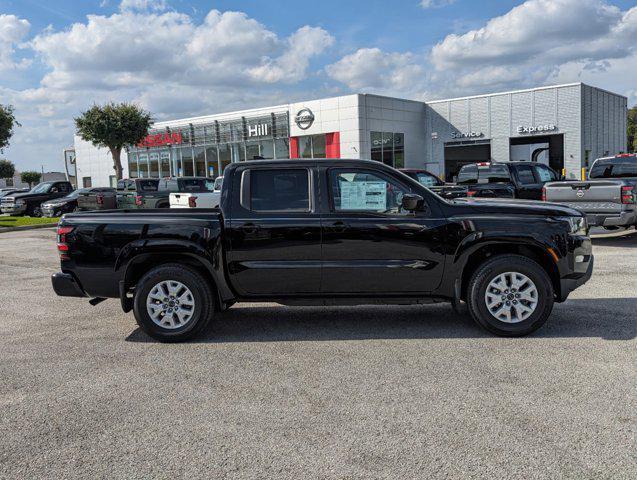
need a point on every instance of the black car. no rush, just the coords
(59, 206)
(326, 232)
(506, 179)
(29, 203)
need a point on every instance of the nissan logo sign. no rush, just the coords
(304, 118)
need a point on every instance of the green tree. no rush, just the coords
(113, 126)
(7, 169)
(7, 122)
(632, 129)
(30, 177)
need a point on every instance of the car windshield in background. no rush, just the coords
(196, 185)
(42, 188)
(77, 193)
(148, 185)
(471, 174)
(613, 169)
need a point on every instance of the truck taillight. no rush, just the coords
(628, 196)
(100, 199)
(544, 193)
(138, 200)
(63, 247)
(192, 202)
(471, 193)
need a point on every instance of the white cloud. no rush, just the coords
(371, 69)
(12, 31)
(143, 5)
(435, 3)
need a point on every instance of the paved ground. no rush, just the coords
(276, 392)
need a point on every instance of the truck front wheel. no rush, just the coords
(173, 303)
(510, 295)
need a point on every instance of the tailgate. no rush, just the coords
(87, 201)
(603, 196)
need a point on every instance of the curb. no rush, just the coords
(28, 227)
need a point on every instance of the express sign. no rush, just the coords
(158, 139)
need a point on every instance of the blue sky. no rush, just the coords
(181, 58)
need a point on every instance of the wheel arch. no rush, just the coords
(485, 251)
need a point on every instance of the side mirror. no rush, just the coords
(412, 202)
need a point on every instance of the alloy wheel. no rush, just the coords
(170, 304)
(511, 297)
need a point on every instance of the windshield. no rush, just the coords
(77, 193)
(614, 169)
(42, 188)
(489, 173)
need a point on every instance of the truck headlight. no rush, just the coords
(19, 203)
(578, 225)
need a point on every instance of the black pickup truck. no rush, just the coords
(326, 232)
(30, 203)
(506, 179)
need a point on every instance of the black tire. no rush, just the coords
(35, 211)
(202, 293)
(487, 272)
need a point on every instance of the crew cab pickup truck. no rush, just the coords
(29, 203)
(608, 198)
(506, 179)
(433, 183)
(326, 232)
(198, 193)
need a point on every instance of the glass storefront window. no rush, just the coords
(164, 164)
(153, 159)
(212, 167)
(186, 162)
(142, 165)
(282, 148)
(225, 157)
(176, 159)
(267, 149)
(200, 162)
(318, 146)
(132, 165)
(388, 147)
(253, 152)
(305, 146)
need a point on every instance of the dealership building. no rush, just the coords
(563, 126)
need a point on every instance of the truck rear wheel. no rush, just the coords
(510, 295)
(173, 303)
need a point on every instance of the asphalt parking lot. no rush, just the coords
(282, 392)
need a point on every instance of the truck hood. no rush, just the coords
(26, 195)
(514, 207)
(59, 201)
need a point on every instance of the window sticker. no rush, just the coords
(363, 196)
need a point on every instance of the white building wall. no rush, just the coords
(96, 163)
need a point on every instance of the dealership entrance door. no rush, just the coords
(548, 149)
(458, 154)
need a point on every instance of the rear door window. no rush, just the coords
(427, 180)
(279, 190)
(525, 175)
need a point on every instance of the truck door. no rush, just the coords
(274, 231)
(529, 187)
(372, 245)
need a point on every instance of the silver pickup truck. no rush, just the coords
(608, 198)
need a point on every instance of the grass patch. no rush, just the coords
(24, 221)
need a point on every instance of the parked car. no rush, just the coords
(71, 203)
(506, 179)
(433, 183)
(29, 203)
(318, 232)
(102, 198)
(198, 193)
(608, 198)
(150, 192)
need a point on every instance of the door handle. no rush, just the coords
(250, 228)
(339, 227)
